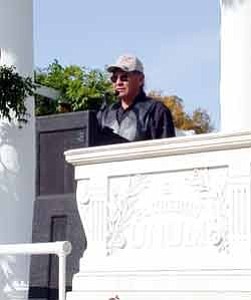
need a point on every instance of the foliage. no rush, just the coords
(14, 89)
(45, 106)
(80, 87)
(199, 120)
(84, 89)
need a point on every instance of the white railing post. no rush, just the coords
(61, 276)
(61, 249)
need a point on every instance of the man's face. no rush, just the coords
(127, 84)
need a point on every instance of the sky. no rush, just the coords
(178, 42)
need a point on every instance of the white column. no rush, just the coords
(17, 151)
(235, 79)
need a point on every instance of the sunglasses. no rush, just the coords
(122, 77)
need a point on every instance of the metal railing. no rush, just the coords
(61, 249)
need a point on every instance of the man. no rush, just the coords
(134, 116)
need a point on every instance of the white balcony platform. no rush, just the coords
(165, 219)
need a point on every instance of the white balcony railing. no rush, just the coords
(165, 219)
(61, 249)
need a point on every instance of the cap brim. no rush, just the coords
(113, 68)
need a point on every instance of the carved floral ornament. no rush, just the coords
(207, 189)
(123, 209)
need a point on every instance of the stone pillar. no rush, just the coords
(235, 79)
(17, 151)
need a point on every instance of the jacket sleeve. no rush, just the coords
(100, 114)
(161, 122)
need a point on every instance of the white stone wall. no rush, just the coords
(165, 219)
(17, 151)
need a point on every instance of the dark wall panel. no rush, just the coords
(56, 215)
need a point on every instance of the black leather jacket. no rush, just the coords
(145, 119)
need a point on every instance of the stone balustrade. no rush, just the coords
(165, 219)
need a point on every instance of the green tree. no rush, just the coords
(199, 120)
(79, 87)
(82, 89)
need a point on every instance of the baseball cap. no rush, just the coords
(127, 63)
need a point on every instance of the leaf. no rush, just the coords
(199, 120)
(14, 89)
(80, 87)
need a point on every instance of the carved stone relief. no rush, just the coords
(201, 208)
(83, 192)
(124, 206)
(240, 211)
(171, 209)
(91, 210)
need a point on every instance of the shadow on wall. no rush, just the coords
(7, 57)
(13, 269)
(11, 287)
(232, 3)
